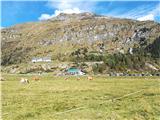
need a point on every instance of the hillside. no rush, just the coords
(122, 44)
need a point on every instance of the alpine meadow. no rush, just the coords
(80, 60)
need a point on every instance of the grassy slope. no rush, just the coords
(43, 99)
(23, 48)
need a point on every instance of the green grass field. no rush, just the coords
(53, 98)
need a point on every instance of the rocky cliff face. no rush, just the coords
(61, 36)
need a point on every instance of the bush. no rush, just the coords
(99, 68)
(93, 57)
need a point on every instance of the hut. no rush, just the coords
(41, 59)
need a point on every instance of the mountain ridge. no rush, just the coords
(72, 37)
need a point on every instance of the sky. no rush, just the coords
(17, 12)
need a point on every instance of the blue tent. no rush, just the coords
(74, 71)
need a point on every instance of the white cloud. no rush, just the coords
(68, 7)
(68, 11)
(57, 12)
(2, 27)
(141, 13)
(151, 15)
(45, 17)
(137, 12)
(70, 4)
(147, 17)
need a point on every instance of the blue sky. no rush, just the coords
(15, 12)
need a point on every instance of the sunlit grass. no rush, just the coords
(51, 97)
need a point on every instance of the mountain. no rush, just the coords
(122, 44)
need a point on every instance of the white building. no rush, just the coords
(43, 59)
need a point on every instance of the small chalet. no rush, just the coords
(43, 59)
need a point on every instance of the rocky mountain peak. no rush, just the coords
(75, 16)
